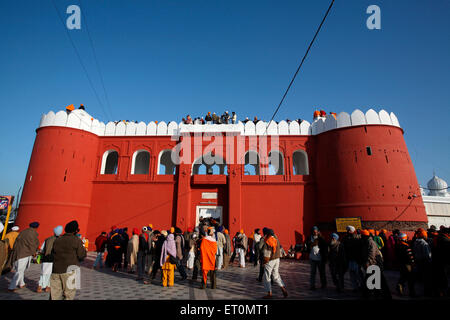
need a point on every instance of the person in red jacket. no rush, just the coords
(100, 244)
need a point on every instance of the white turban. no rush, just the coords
(351, 229)
(15, 228)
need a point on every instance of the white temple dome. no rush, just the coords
(437, 187)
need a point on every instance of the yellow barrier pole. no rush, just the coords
(6, 222)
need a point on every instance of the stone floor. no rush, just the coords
(232, 284)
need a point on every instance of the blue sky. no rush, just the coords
(163, 59)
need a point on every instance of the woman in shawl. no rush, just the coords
(169, 249)
(132, 250)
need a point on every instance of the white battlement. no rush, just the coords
(80, 119)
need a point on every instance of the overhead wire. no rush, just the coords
(79, 59)
(301, 63)
(95, 57)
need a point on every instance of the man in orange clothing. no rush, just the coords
(208, 249)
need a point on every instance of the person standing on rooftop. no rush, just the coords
(233, 117)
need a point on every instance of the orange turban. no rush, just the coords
(242, 231)
(422, 234)
(172, 230)
(371, 231)
(226, 231)
(365, 232)
(70, 107)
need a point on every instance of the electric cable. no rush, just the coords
(96, 60)
(301, 63)
(79, 59)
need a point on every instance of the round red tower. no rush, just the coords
(366, 171)
(58, 183)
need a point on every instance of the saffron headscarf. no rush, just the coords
(422, 234)
(169, 247)
(365, 232)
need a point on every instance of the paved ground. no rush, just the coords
(232, 284)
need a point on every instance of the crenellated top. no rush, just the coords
(80, 119)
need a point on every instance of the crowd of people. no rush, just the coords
(424, 258)
(59, 256)
(208, 248)
(204, 249)
(213, 118)
(226, 118)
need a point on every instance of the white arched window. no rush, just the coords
(110, 162)
(141, 162)
(209, 164)
(251, 166)
(165, 163)
(276, 163)
(300, 162)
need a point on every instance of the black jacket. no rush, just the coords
(67, 250)
(353, 248)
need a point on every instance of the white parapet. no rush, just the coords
(141, 129)
(249, 128)
(161, 129)
(121, 129)
(372, 117)
(151, 129)
(110, 129)
(358, 118)
(385, 118)
(80, 119)
(60, 119)
(131, 129)
(294, 128)
(305, 128)
(343, 120)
